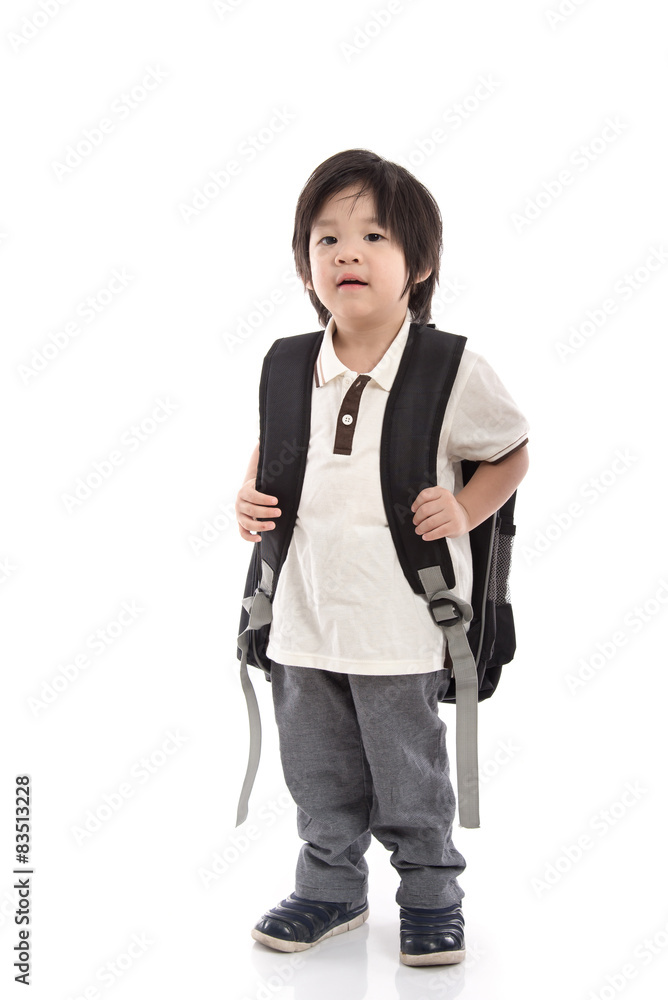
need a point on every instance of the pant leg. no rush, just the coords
(413, 806)
(328, 776)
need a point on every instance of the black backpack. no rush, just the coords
(422, 386)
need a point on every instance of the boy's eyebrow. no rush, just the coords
(325, 223)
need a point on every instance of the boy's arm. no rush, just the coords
(491, 485)
(440, 514)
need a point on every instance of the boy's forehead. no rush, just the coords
(345, 202)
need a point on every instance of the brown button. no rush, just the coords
(347, 418)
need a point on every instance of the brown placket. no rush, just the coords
(347, 418)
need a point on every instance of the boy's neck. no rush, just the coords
(360, 349)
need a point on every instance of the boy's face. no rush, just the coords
(351, 242)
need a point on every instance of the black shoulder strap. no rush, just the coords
(409, 443)
(286, 386)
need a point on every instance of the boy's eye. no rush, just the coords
(380, 237)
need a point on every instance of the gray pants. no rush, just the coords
(366, 755)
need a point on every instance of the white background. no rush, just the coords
(158, 532)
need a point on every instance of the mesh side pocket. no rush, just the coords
(503, 561)
(502, 551)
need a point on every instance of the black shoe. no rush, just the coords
(297, 923)
(432, 937)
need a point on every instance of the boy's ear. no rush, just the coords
(423, 276)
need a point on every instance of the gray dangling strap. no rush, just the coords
(451, 614)
(258, 607)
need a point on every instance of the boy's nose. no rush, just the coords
(347, 254)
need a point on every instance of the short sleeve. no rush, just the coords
(482, 421)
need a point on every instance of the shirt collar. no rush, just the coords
(328, 365)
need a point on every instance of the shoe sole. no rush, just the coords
(433, 958)
(278, 944)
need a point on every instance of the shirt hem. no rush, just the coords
(343, 666)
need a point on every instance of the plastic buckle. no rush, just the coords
(439, 602)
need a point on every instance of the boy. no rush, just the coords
(357, 663)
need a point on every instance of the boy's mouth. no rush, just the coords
(351, 281)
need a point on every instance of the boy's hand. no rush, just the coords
(438, 514)
(249, 506)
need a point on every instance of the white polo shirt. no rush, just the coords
(342, 601)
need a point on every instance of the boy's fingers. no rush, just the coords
(245, 534)
(258, 497)
(256, 511)
(257, 504)
(258, 500)
(251, 523)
